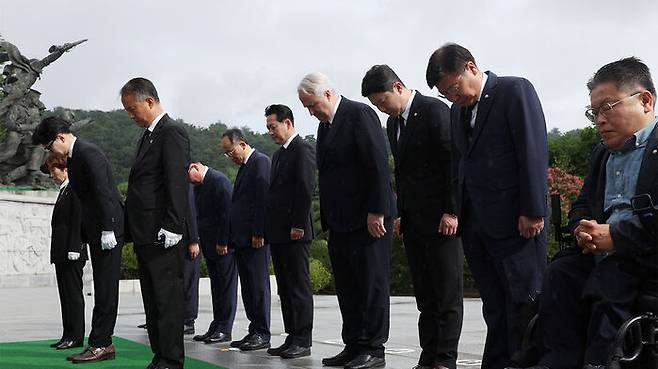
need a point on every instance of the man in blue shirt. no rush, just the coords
(590, 289)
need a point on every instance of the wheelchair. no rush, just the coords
(636, 343)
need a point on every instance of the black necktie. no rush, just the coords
(467, 113)
(401, 126)
(145, 137)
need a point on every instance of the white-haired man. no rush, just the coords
(356, 208)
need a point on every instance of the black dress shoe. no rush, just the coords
(202, 337)
(237, 343)
(55, 344)
(217, 337)
(365, 361)
(142, 326)
(255, 342)
(341, 359)
(276, 351)
(295, 351)
(67, 344)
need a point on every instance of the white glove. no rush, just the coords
(170, 239)
(108, 241)
(74, 255)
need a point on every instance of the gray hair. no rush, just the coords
(315, 83)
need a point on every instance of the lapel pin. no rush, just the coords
(151, 141)
(654, 152)
(415, 114)
(486, 96)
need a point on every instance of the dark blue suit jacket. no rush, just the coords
(213, 204)
(248, 201)
(353, 169)
(504, 168)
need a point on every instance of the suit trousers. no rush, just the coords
(161, 281)
(253, 270)
(223, 274)
(582, 306)
(71, 299)
(507, 272)
(436, 264)
(293, 280)
(106, 268)
(191, 275)
(361, 263)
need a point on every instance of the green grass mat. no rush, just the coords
(37, 355)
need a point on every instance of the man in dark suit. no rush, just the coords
(418, 131)
(91, 178)
(501, 159)
(356, 207)
(590, 289)
(212, 196)
(156, 209)
(247, 236)
(69, 255)
(289, 229)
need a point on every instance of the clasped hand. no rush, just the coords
(593, 237)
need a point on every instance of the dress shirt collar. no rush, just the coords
(155, 122)
(248, 155)
(287, 143)
(405, 112)
(71, 147)
(333, 113)
(64, 184)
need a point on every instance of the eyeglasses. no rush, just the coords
(50, 145)
(229, 154)
(593, 113)
(453, 89)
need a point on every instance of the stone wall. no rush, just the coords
(25, 238)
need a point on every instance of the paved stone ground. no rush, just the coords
(33, 314)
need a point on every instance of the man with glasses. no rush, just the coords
(247, 236)
(501, 158)
(590, 289)
(91, 178)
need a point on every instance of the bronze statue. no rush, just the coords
(21, 111)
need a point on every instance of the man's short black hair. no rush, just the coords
(141, 88)
(49, 128)
(626, 74)
(235, 135)
(281, 111)
(379, 78)
(448, 59)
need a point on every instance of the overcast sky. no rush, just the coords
(226, 60)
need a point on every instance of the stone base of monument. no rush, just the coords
(25, 239)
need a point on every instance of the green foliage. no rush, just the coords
(399, 273)
(118, 137)
(321, 277)
(128, 263)
(571, 150)
(320, 253)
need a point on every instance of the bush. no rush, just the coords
(128, 263)
(321, 277)
(568, 186)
